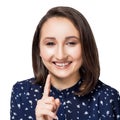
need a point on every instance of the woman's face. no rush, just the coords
(60, 48)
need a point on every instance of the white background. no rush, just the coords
(18, 21)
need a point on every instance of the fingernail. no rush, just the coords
(56, 118)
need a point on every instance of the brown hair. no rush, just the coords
(90, 69)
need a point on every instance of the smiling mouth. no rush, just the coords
(62, 64)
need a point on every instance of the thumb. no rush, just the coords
(57, 102)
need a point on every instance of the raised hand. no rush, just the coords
(47, 106)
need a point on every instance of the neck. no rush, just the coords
(64, 83)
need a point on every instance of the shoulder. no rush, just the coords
(109, 99)
(106, 89)
(107, 92)
(24, 97)
(25, 86)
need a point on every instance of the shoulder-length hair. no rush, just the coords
(90, 69)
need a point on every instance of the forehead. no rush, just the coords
(59, 24)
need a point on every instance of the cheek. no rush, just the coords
(76, 53)
(45, 54)
(78, 57)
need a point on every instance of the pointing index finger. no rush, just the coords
(47, 87)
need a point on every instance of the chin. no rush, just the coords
(60, 75)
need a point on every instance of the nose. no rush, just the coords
(61, 53)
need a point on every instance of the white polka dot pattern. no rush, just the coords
(103, 103)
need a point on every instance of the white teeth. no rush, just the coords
(61, 64)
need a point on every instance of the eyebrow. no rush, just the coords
(52, 38)
(66, 38)
(69, 37)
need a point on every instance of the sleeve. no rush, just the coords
(116, 105)
(15, 104)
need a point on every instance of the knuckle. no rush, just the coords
(51, 99)
(39, 102)
(52, 108)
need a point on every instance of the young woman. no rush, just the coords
(66, 85)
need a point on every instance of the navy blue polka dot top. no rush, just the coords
(103, 103)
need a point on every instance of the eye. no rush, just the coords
(71, 43)
(50, 43)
